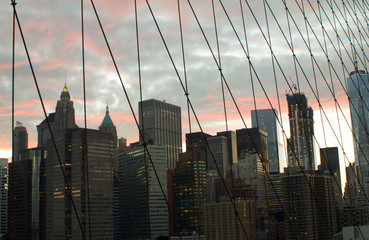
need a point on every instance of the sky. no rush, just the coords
(52, 31)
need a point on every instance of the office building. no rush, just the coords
(309, 204)
(3, 196)
(160, 123)
(143, 209)
(189, 191)
(196, 140)
(20, 140)
(251, 169)
(357, 87)
(232, 147)
(267, 120)
(253, 140)
(217, 155)
(300, 145)
(82, 152)
(26, 215)
(221, 222)
(330, 164)
(43, 131)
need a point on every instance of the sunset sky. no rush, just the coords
(52, 30)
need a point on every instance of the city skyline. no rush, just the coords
(57, 68)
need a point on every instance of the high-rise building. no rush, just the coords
(357, 87)
(300, 145)
(108, 126)
(20, 139)
(218, 158)
(221, 222)
(250, 168)
(196, 140)
(189, 191)
(143, 209)
(309, 204)
(253, 140)
(232, 147)
(161, 125)
(266, 119)
(330, 164)
(82, 152)
(43, 130)
(26, 215)
(3, 196)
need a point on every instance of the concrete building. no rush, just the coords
(161, 125)
(221, 222)
(267, 120)
(309, 205)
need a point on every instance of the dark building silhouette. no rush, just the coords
(189, 185)
(161, 125)
(26, 214)
(3, 196)
(253, 140)
(196, 140)
(309, 204)
(301, 142)
(43, 131)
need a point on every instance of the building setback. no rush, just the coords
(161, 125)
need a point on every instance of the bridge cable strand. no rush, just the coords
(85, 120)
(13, 108)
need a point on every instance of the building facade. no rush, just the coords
(160, 124)
(20, 140)
(143, 208)
(300, 145)
(357, 87)
(267, 120)
(189, 191)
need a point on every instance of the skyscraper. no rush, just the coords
(143, 209)
(20, 139)
(189, 190)
(301, 142)
(357, 87)
(266, 119)
(219, 156)
(161, 125)
(76, 145)
(26, 216)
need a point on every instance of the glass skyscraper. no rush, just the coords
(357, 87)
(266, 119)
